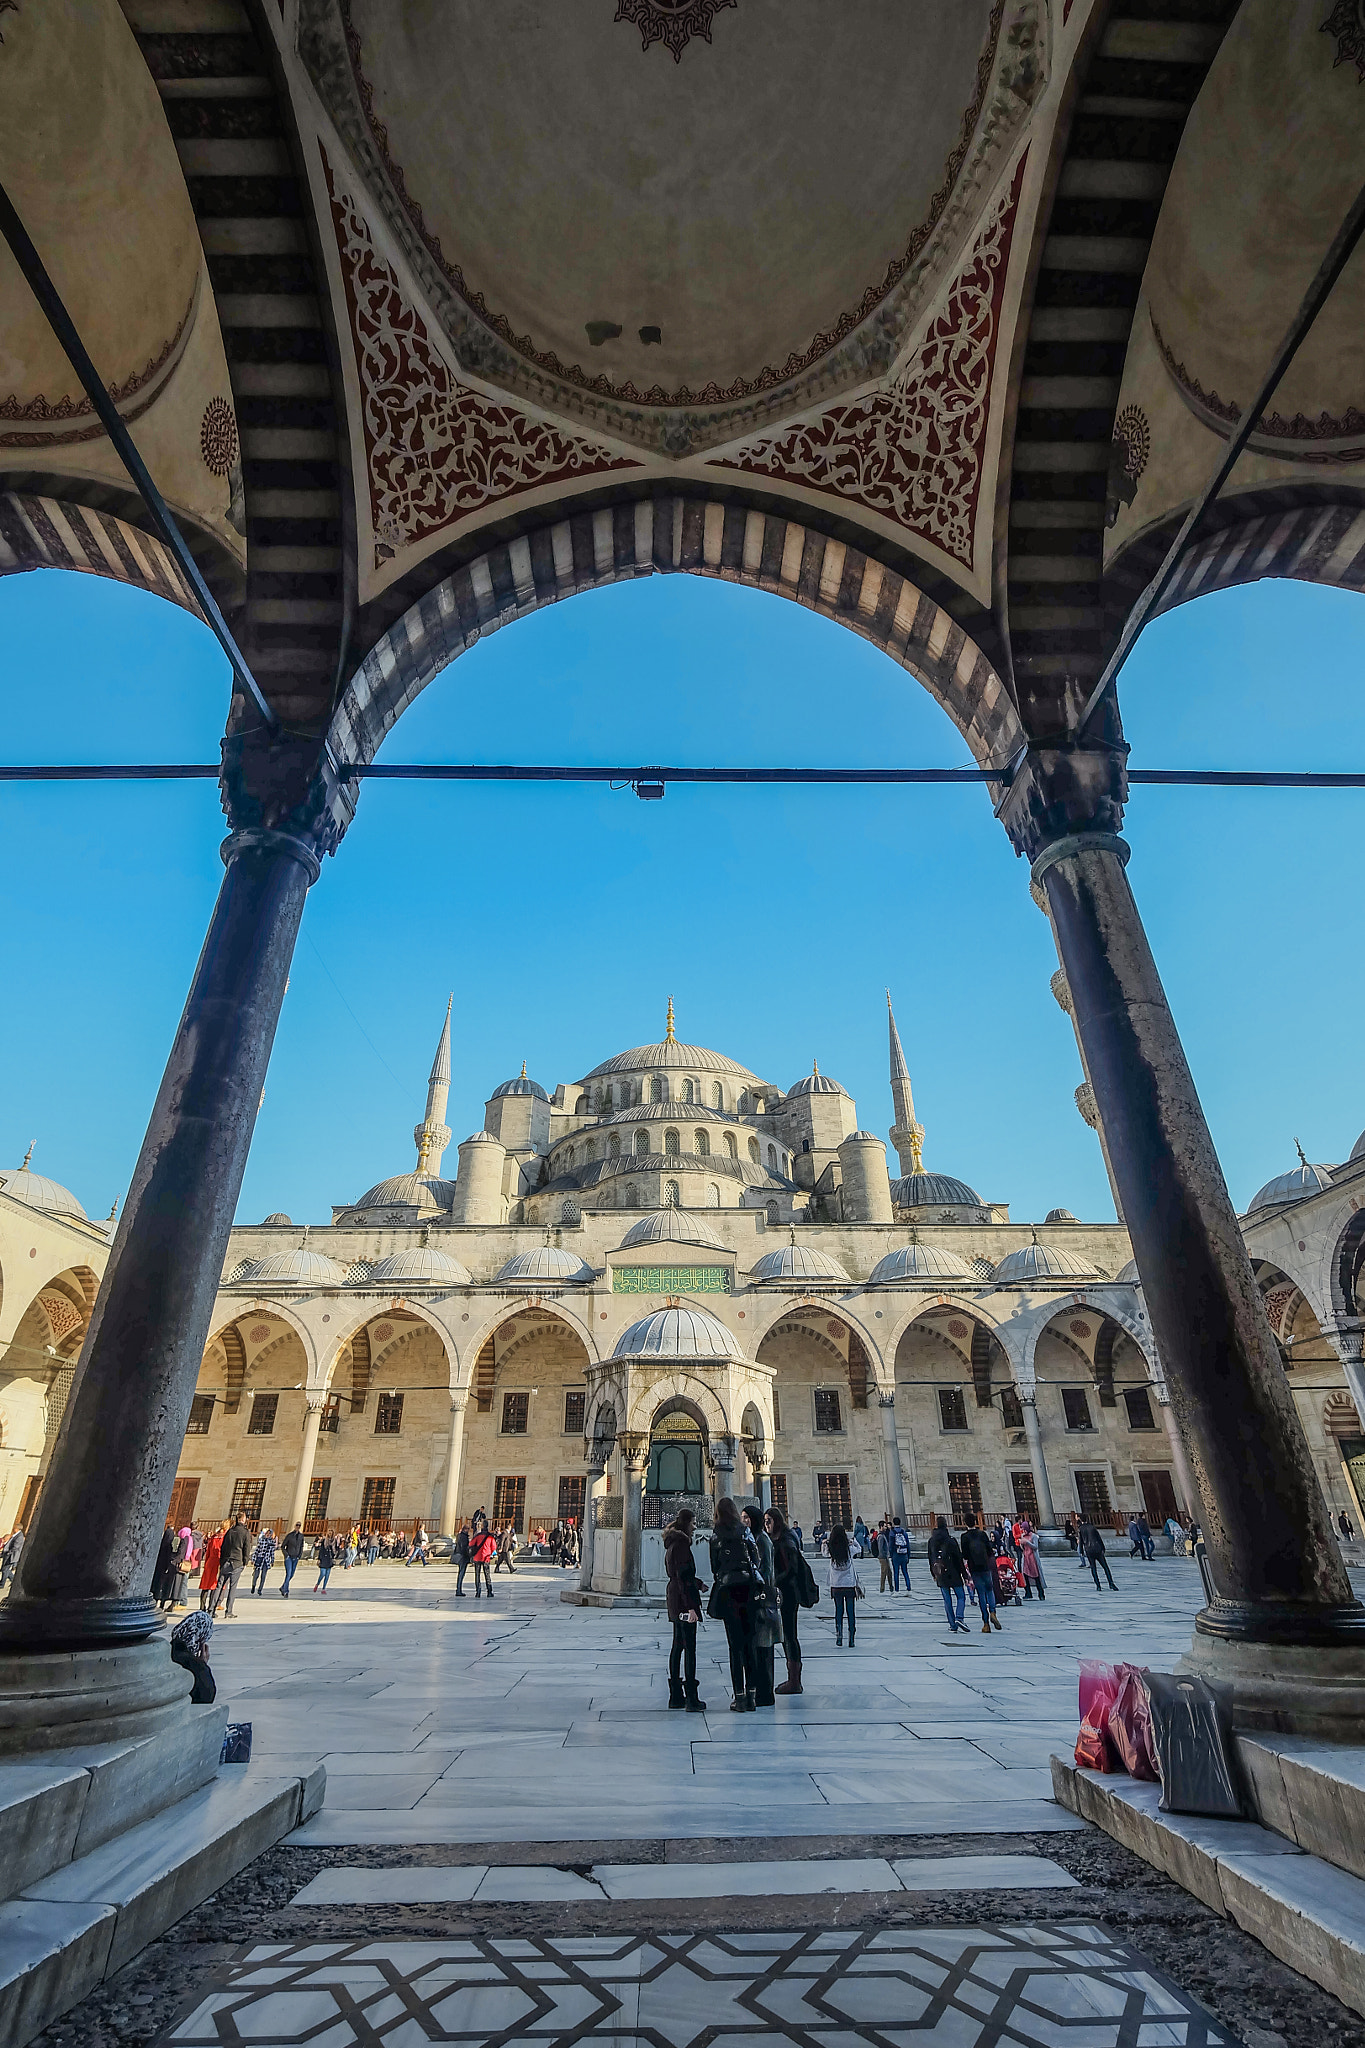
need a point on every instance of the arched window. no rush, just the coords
(589, 1151)
(566, 1158)
(712, 1195)
(658, 1089)
(718, 1096)
(689, 1093)
(569, 1212)
(671, 1144)
(608, 1198)
(632, 1195)
(614, 1146)
(774, 1213)
(730, 1145)
(583, 1106)
(772, 1157)
(641, 1143)
(753, 1150)
(701, 1144)
(672, 1195)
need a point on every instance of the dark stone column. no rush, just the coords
(1278, 1573)
(85, 1576)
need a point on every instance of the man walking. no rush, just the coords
(946, 1568)
(979, 1559)
(292, 1549)
(900, 1555)
(1148, 1540)
(888, 1582)
(232, 1562)
(1093, 1551)
(262, 1558)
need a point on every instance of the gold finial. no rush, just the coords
(28, 1155)
(815, 1068)
(113, 1211)
(1303, 1160)
(917, 1148)
(423, 1150)
(792, 1233)
(669, 1038)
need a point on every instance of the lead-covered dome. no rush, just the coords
(37, 1192)
(797, 1264)
(677, 1333)
(422, 1266)
(672, 1226)
(933, 1191)
(1305, 1180)
(1358, 1149)
(1129, 1274)
(546, 1266)
(642, 1059)
(816, 1083)
(298, 1268)
(920, 1262)
(1039, 1262)
(520, 1085)
(408, 1191)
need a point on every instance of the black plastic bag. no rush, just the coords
(1192, 1725)
(236, 1743)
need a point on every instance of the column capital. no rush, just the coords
(633, 1445)
(720, 1454)
(285, 794)
(1064, 789)
(315, 1399)
(886, 1397)
(459, 1400)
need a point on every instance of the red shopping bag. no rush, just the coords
(1130, 1726)
(1099, 1685)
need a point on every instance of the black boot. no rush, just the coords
(676, 1696)
(750, 1703)
(694, 1705)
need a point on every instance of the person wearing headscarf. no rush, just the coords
(162, 1578)
(190, 1650)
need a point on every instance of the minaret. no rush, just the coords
(905, 1134)
(432, 1135)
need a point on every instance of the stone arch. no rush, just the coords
(1348, 1267)
(653, 1396)
(473, 1346)
(1032, 1327)
(923, 1305)
(752, 1427)
(632, 536)
(47, 533)
(681, 1404)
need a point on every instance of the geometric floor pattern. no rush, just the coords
(1057, 1986)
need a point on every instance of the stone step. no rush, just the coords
(1311, 1791)
(73, 1928)
(1302, 1908)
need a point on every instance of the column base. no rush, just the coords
(40, 1626)
(1291, 1688)
(62, 1699)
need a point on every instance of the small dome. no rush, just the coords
(934, 1191)
(39, 1193)
(1129, 1274)
(300, 1269)
(796, 1263)
(1358, 1149)
(919, 1262)
(409, 1191)
(1305, 1180)
(478, 1138)
(278, 1217)
(420, 1264)
(520, 1086)
(1036, 1262)
(816, 1083)
(547, 1266)
(677, 1333)
(865, 1138)
(1059, 1216)
(672, 1226)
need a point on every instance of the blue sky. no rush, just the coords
(563, 918)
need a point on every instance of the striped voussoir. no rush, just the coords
(231, 128)
(665, 535)
(1135, 98)
(1313, 543)
(48, 533)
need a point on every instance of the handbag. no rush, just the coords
(767, 1617)
(858, 1592)
(808, 1593)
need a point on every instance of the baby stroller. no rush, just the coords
(1008, 1580)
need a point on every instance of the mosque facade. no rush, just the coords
(673, 1277)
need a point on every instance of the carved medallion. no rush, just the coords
(1128, 452)
(671, 22)
(218, 437)
(1347, 23)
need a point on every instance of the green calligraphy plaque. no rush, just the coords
(671, 1280)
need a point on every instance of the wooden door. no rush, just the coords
(184, 1494)
(1158, 1495)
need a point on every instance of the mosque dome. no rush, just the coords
(298, 1268)
(933, 1191)
(411, 1191)
(815, 1083)
(672, 1226)
(677, 1333)
(1130, 1275)
(1059, 1216)
(1295, 1186)
(919, 1262)
(1039, 1262)
(278, 1217)
(521, 1085)
(695, 1059)
(420, 1264)
(797, 1263)
(1358, 1149)
(547, 1266)
(36, 1192)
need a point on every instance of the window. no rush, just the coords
(778, 1483)
(184, 1494)
(331, 1414)
(1011, 1408)
(730, 1145)
(952, 1408)
(836, 1499)
(1092, 1494)
(315, 1514)
(573, 1494)
(589, 1152)
(575, 1404)
(248, 1498)
(658, 1089)
(701, 1144)
(1138, 1403)
(774, 1213)
(264, 1409)
(777, 1413)
(717, 1096)
(641, 1143)
(516, 1411)
(672, 1195)
(671, 1144)
(1025, 1495)
(614, 1146)
(712, 1195)
(827, 1418)
(388, 1416)
(753, 1150)
(772, 1157)
(689, 1093)
(376, 1502)
(568, 1212)
(964, 1497)
(201, 1415)
(1076, 1408)
(509, 1501)
(632, 1195)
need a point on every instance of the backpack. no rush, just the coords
(808, 1593)
(900, 1542)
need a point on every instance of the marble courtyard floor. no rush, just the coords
(521, 1844)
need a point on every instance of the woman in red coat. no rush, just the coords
(482, 1553)
(208, 1571)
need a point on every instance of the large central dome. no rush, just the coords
(696, 1059)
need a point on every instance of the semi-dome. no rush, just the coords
(1035, 1262)
(279, 1217)
(672, 1226)
(816, 1083)
(546, 1266)
(37, 1192)
(1129, 1274)
(1304, 1180)
(796, 1263)
(933, 1191)
(520, 1085)
(421, 1265)
(919, 1262)
(1059, 1216)
(677, 1333)
(299, 1268)
(410, 1191)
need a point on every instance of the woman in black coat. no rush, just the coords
(732, 1601)
(684, 1611)
(787, 1565)
(163, 1578)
